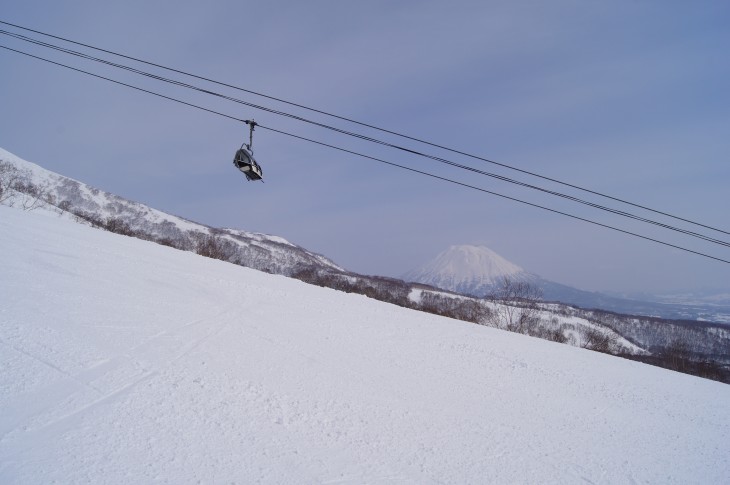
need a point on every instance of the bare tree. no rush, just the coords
(216, 248)
(677, 356)
(33, 196)
(516, 307)
(594, 339)
(16, 187)
(8, 179)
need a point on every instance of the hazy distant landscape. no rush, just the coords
(477, 270)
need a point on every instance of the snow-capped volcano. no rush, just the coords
(478, 271)
(467, 269)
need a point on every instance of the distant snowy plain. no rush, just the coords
(123, 361)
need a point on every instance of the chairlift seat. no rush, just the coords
(244, 161)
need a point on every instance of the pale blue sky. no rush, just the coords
(628, 98)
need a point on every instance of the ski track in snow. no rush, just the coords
(127, 362)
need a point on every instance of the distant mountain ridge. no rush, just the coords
(478, 270)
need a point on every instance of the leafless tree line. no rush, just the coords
(16, 189)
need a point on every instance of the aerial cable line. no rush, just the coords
(375, 159)
(439, 159)
(438, 177)
(476, 157)
(445, 179)
(370, 139)
(127, 85)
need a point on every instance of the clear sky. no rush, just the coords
(628, 98)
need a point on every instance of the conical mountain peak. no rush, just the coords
(466, 269)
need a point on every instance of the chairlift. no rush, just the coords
(244, 160)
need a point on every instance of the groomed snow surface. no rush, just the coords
(127, 362)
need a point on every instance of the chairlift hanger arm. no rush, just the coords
(252, 125)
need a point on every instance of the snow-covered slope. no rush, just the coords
(260, 251)
(125, 361)
(472, 270)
